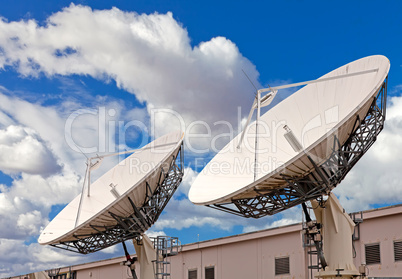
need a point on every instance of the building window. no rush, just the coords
(282, 266)
(210, 272)
(192, 274)
(372, 253)
(398, 250)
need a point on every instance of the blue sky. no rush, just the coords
(148, 64)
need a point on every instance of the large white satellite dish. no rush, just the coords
(124, 202)
(301, 148)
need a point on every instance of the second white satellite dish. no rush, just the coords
(123, 202)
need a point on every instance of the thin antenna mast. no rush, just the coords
(250, 81)
(256, 135)
(82, 194)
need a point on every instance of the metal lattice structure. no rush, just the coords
(324, 177)
(130, 227)
(165, 247)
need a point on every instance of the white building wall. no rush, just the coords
(252, 255)
(382, 229)
(244, 256)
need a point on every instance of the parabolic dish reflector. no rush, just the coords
(123, 203)
(306, 143)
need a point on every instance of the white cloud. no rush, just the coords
(19, 217)
(188, 179)
(25, 204)
(151, 233)
(18, 258)
(149, 55)
(30, 222)
(110, 250)
(22, 150)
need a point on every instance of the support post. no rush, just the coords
(146, 254)
(337, 230)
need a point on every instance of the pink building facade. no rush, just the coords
(273, 253)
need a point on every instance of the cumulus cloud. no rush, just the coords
(151, 233)
(16, 257)
(22, 150)
(188, 179)
(29, 222)
(110, 250)
(25, 205)
(148, 55)
(20, 218)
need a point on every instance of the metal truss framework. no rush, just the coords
(323, 178)
(130, 227)
(165, 247)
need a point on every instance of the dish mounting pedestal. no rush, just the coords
(335, 236)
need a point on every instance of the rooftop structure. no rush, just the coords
(280, 252)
